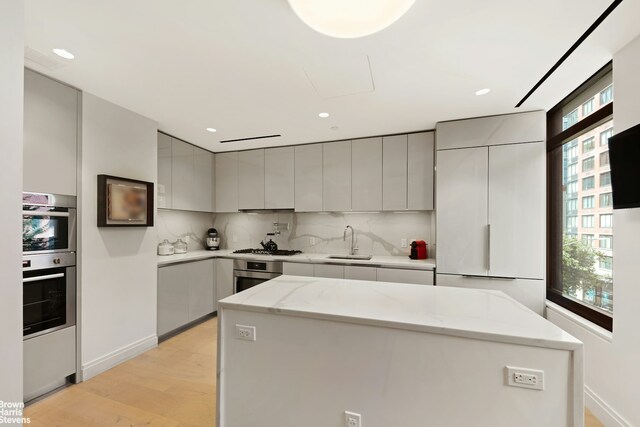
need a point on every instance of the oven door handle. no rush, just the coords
(45, 277)
(45, 213)
(255, 275)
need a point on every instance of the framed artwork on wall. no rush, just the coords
(124, 202)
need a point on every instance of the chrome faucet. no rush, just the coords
(354, 249)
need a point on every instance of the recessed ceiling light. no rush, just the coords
(483, 91)
(323, 115)
(63, 53)
(211, 130)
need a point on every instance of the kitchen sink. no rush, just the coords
(362, 257)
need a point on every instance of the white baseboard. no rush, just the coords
(602, 411)
(108, 361)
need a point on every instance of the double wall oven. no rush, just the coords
(49, 291)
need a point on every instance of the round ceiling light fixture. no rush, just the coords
(483, 91)
(323, 115)
(348, 19)
(63, 53)
(211, 130)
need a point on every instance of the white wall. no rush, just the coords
(11, 93)
(613, 365)
(117, 266)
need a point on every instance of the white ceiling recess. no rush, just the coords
(245, 67)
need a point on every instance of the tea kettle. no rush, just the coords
(270, 246)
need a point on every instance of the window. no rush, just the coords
(606, 96)
(572, 170)
(604, 136)
(587, 239)
(588, 144)
(606, 263)
(570, 119)
(579, 274)
(606, 220)
(605, 179)
(587, 221)
(606, 200)
(606, 241)
(587, 107)
(588, 202)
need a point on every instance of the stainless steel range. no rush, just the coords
(250, 273)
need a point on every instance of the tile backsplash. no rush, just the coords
(376, 233)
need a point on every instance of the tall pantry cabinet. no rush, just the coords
(490, 198)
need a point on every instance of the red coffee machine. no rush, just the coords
(418, 249)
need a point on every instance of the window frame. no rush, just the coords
(557, 136)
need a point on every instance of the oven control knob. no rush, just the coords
(56, 260)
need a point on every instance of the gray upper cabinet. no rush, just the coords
(420, 163)
(394, 173)
(494, 130)
(366, 173)
(191, 177)
(202, 192)
(308, 178)
(50, 135)
(336, 179)
(251, 179)
(278, 178)
(226, 182)
(164, 170)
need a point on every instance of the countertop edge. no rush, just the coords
(461, 333)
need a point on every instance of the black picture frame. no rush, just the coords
(104, 202)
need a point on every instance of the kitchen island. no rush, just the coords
(303, 350)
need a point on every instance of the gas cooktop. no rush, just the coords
(279, 252)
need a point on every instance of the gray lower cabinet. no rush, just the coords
(224, 279)
(329, 271)
(357, 272)
(51, 117)
(186, 292)
(297, 269)
(396, 275)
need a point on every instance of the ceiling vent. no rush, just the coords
(250, 138)
(37, 59)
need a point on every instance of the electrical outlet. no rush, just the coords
(351, 419)
(525, 378)
(312, 240)
(247, 333)
(403, 243)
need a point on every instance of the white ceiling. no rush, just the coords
(244, 66)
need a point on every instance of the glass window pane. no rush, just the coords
(605, 179)
(588, 183)
(588, 144)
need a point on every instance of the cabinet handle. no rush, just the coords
(488, 247)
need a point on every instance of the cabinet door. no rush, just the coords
(278, 178)
(420, 154)
(164, 171)
(182, 176)
(462, 223)
(251, 179)
(336, 179)
(394, 173)
(366, 173)
(226, 181)
(202, 192)
(517, 210)
(353, 272)
(201, 288)
(329, 271)
(414, 277)
(308, 178)
(50, 135)
(173, 298)
(297, 269)
(493, 130)
(224, 279)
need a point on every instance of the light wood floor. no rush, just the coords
(172, 385)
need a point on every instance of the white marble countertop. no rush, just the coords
(469, 313)
(402, 262)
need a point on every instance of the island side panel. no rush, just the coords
(311, 371)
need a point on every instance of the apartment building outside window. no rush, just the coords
(580, 203)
